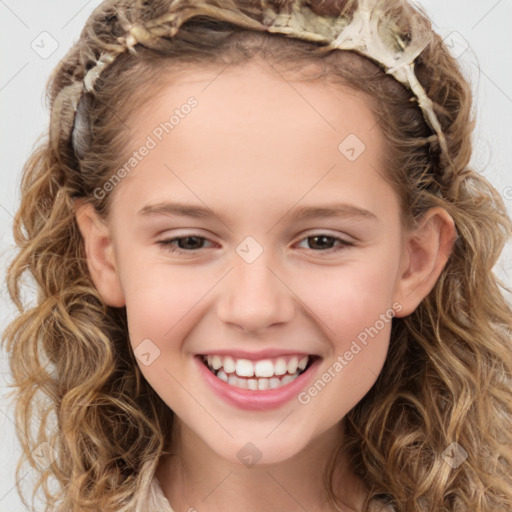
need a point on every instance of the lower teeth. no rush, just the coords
(256, 384)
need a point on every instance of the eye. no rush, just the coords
(190, 244)
(322, 240)
(184, 244)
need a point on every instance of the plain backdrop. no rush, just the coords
(34, 36)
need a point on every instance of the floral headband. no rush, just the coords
(365, 31)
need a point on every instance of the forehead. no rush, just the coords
(253, 132)
(255, 103)
(247, 89)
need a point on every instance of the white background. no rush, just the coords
(480, 33)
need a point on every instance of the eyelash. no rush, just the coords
(166, 244)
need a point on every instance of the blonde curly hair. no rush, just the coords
(448, 373)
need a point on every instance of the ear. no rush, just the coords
(99, 249)
(426, 251)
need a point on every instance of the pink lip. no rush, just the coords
(253, 356)
(256, 400)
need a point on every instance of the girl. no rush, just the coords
(264, 267)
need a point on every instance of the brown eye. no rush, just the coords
(326, 243)
(183, 244)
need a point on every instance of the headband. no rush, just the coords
(366, 31)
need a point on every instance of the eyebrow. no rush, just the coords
(300, 213)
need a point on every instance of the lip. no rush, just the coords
(263, 400)
(256, 355)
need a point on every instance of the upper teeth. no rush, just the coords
(260, 368)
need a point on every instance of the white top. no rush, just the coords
(157, 502)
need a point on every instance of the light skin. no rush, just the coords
(253, 151)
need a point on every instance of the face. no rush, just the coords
(258, 231)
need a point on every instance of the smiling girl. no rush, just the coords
(264, 268)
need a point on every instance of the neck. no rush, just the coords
(195, 478)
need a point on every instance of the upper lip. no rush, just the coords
(260, 354)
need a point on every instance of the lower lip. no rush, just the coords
(256, 400)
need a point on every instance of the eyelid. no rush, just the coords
(326, 232)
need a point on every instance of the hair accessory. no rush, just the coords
(94, 73)
(363, 36)
(367, 31)
(137, 33)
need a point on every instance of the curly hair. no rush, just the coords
(448, 374)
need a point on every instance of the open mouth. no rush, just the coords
(258, 375)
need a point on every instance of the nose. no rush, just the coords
(255, 296)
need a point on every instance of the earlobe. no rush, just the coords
(100, 255)
(427, 249)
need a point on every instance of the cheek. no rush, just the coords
(162, 308)
(357, 319)
(345, 379)
(353, 297)
(355, 308)
(160, 302)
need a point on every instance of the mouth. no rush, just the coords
(257, 375)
